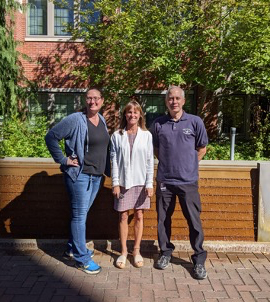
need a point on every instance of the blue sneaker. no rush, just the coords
(91, 268)
(68, 255)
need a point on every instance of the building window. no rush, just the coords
(52, 19)
(86, 17)
(57, 105)
(233, 112)
(153, 105)
(37, 17)
(63, 17)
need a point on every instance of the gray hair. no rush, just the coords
(175, 87)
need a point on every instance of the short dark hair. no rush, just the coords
(97, 89)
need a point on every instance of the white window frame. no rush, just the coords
(50, 37)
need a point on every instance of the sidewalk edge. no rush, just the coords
(146, 245)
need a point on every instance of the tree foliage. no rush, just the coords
(219, 44)
(11, 75)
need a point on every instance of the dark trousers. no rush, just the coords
(190, 203)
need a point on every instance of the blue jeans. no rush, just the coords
(82, 193)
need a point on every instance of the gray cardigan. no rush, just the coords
(73, 129)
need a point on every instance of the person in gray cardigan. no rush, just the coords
(86, 160)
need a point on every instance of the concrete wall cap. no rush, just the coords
(203, 163)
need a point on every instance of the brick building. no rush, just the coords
(46, 41)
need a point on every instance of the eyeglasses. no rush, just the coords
(95, 98)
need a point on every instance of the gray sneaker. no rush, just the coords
(199, 272)
(163, 262)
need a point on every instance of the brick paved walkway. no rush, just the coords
(43, 276)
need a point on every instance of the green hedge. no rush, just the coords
(26, 139)
(244, 150)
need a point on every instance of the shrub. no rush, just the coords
(217, 151)
(244, 150)
(24, 138)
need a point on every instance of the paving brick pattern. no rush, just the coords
(44, 276)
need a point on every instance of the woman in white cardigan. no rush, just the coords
(132, 176)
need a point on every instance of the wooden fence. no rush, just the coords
(34, 203)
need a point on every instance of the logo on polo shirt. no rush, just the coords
(187, 131)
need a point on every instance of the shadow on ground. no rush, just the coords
(35, 275)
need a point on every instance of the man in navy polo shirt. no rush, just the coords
(180, 141)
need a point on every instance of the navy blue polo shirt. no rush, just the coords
(177, 142)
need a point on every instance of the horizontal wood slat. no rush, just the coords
(235, 199)
(213, 224)
(224, 182)
(34, 204)
(226, 191)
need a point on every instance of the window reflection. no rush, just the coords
(37, 17)
(63, 16)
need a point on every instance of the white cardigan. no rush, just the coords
(137, 171)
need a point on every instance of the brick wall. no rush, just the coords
(50, 63)
(34, 204)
